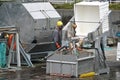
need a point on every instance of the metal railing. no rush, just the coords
(114, 1)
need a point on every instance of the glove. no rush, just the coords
(57, 45)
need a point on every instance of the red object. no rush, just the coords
(10, 41)
(57, 45)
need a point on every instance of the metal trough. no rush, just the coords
(65, 63)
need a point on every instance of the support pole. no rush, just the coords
(18, 51)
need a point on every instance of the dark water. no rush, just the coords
(38, 73)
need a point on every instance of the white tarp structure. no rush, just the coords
(89, 15)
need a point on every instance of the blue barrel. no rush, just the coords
(2, 54)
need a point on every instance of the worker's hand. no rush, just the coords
(57, 45)
(79, 49)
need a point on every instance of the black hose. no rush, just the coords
(102, 48)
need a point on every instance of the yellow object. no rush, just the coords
(89, 74)
(59, 23)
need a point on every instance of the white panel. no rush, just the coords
(105, 25)
(37, 15)
(41, 10)
(88, 15)
(52, 14)
(103, 9)
(32, 7)
(38, 6)
(83, 29)
(46, 6)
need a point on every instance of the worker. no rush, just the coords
(74, 26)
(78, 44)
(57, 35)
